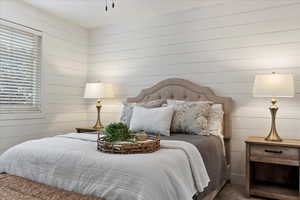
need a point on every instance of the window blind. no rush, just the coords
(20, 69)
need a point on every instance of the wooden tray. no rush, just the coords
(149, 146)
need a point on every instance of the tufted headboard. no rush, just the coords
(180, 89)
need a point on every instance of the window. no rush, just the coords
(20, 69)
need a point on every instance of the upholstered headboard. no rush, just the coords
(180, 89)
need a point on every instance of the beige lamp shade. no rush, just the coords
(98, 90)
(274, 85)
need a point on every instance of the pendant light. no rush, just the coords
(113, 4)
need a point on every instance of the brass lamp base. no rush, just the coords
(273, 135)
(98, 124)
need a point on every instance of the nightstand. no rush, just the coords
(272, 168)
(85, 130)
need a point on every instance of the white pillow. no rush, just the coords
(152, 120)
(128, 108)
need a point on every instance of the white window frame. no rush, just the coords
(34, 114)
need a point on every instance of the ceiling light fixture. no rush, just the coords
(113, 4)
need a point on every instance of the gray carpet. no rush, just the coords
(234, 192)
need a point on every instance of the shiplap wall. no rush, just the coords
(65, 51)
(221, 46)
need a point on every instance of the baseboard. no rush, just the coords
(237, 179)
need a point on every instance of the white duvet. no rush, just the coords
(71, 162)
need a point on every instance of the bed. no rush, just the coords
(181, 89)
(177, 171)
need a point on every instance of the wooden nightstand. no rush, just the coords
(85, 130)
(272, 168)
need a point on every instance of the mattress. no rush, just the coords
(211, 149)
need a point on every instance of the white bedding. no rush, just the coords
(71, 162)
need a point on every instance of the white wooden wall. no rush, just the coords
(65, 53)
(221, 46)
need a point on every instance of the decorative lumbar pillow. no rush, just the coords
(190, 117)
(128, 108)
(152, 120)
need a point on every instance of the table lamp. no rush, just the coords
(98, 91)
(273, 85)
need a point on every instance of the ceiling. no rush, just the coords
(91, 13)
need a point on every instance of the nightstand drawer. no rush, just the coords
(276, 152)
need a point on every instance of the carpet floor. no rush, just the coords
(234, 192)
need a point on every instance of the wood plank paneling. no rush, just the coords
(221, 46)
(65, 50)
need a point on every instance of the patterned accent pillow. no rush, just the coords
(190, 117)
(215, 116)
(215, 120)
(128, 109)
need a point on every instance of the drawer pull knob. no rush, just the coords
(273, 151)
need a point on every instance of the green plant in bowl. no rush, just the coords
(117, 132)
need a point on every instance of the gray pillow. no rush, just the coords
(128, 109)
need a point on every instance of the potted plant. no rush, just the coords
(118, 132)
